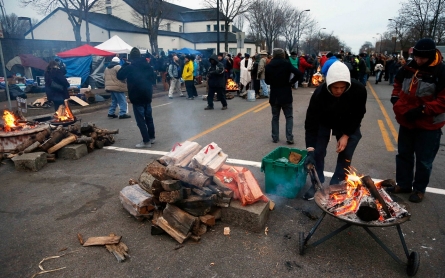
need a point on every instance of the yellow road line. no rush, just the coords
(225, 122)
(385, 135)
(385, 114)
(261, 108)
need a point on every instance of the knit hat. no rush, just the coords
(247, 55)
(329, 55)
(116, 59)
(425, 48)
(134, 54)
(278, 52)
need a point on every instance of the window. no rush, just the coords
(208, 28)
(168, 27)
(180, 28)
(248, 50)
(215, 27)
(108, 8)
(232, 51)
(222, 27)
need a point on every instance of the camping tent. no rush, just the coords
(115, 45)
(84, 50)
(186, 51)
(78, 61)
(28, 61)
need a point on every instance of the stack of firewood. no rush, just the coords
(52, 140)
(180, 201)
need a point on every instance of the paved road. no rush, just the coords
(42, 212)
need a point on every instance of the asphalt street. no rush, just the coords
(42, 212)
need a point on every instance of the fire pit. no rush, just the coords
(15, 131)
(63, 116)
(344, 201)
(231, 86)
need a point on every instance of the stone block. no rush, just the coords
(30, 161)
(73, 151)
(251, 217)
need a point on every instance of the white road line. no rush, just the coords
(161, 105)
(247, 163)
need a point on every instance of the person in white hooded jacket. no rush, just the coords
(337, 108)
(117, 89)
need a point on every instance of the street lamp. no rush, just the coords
(298, 28)
(30, 24)
(395, 38)
(319, 38)
(380, 42)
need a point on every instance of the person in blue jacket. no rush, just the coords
(331, 59)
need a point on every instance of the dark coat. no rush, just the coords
(216, 73)
(278, 73)
(342, 114)
(58, 76)
(140, 79)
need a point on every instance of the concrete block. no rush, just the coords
(30, 161)
(251, 217)
(73, 151)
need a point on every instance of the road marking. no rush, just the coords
(385, 135)
(161, 105)
(224, 123)
(247, 163)
(385, 114)
(261, 108)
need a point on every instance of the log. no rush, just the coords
(102, 240)
(179, 219)
(191, 177)
(207, 191)
(369, 183)
(56, 137)
(223, 202)
(99, 144)
(199, 192)
(208, 219)
(196, 205)
(170, 196)
(103, 132)
(108, 140)
(38, 137)
(178, 236)
(150, 184)
(186, 192)
(86, 127)
(215, 190)
(63, 143)
(74, 128)
(84, 140)
(32, 148)
(157, 170)
(171, 185)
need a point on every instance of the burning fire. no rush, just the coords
(231, 85)
(10, 120)
(63, 113)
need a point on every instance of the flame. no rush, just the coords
(64, 113)
(231, 85)
(317, 79)
(10, 120)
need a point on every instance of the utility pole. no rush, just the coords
(380, 42)
(298, 28)
(217, 28)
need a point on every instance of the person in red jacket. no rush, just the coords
(419, 105)
(323, 59)
(303, 65)
(236, 67)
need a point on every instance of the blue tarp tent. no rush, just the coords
(185, 51)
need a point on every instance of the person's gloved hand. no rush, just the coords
(414, 113)
(394, 99)
(309, 162)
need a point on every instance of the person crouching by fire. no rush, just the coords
(337, 108)
(140, 79)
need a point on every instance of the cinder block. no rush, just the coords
(251, 217)
(30, 161)
(74, 151)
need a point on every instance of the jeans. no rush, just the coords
(237, 75)
(362, 77)
(189, 86)
(391, 78)
(264, 87)
(423, 144)
(144, 120)
(175, 85)
(118, 98)
(220, 95)
(288, 114)
(378, 76)
(344, 158)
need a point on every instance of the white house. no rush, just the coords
(180, 27)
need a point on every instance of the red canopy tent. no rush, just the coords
(84, 50)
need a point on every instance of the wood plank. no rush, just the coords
(102, 240)
(178, 236)
(79, 101)
(178, 219)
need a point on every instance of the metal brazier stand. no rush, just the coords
(413, 259)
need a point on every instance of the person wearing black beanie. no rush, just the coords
(419, 105)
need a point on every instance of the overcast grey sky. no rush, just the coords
(353, 21)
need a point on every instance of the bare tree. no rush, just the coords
(268, 18)
(77, 11)
(239, 22)
(230, 9)
(15, 28)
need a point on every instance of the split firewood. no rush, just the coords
(108, 140)
(199, 192)
(156, 215)
(191, 177)
(32, 148)
(223, 202)
(215, 190)
(150, 184)
(103, 132)
(84, 140)
(75, 128)
(119, 250)
(136, 201)
(71, 139)
(56, 136)
(171, 185)
(208, 219)
(178, 236)
(186, 192)
(86, 127)
(196, 205)
(38, 137)
(102, 240)
(178, 219)
(99, 144)
(157, 170)
(170, 196)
